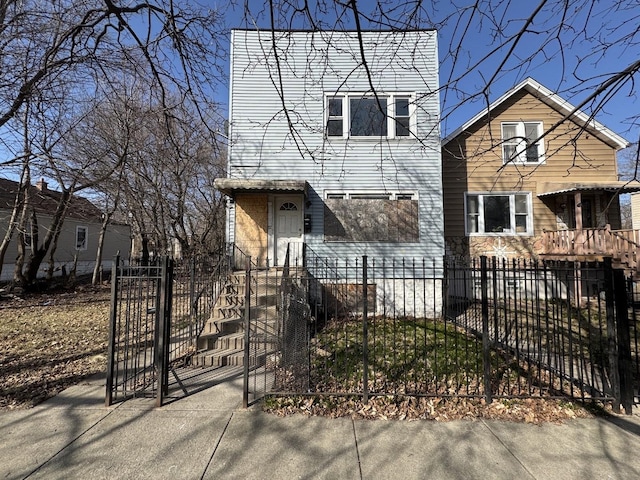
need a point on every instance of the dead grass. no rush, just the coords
(49, 342)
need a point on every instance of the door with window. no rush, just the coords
(588, 212)
(288, 229)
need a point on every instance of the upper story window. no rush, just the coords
(370, 116)
(520, 142)
(499, 214)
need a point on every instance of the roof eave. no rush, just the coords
(554, 101)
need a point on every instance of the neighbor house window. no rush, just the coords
(520, 142)
(82, 234)
(370, 116)
(499, 214)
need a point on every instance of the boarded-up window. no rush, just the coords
(373, 220)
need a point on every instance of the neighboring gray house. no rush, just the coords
(334, 143)
(78, 240)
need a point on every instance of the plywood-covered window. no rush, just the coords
(371, 217)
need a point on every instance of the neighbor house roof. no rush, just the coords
(557, 103)
(45, 201)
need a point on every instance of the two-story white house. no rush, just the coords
(334, 144)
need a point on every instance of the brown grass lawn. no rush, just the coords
(49, 342)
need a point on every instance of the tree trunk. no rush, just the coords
(40, 251)
(103, 232)
(15, 212)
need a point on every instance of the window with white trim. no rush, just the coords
(82, 237)
(520, 142)
(370, 116)
(498, 214)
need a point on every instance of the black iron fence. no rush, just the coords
(486, 328)
(364, 326)
(157, 312)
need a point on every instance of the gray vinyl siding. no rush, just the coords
(314, 64)
(117, 241)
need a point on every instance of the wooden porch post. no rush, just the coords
(577, 198)
(579, 244)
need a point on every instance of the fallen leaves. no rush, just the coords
(441, 409)
(49, 342)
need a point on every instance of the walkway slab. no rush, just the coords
(137, 444)
(580, 449)
(425, 449)
(257, 445)
(31, 437)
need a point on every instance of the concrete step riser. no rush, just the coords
(221, 342)
(230, 359)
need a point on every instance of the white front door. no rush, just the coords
(288, 216)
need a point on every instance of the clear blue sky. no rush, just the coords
(570, 61)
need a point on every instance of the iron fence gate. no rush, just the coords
(140, 308)
(157, 313)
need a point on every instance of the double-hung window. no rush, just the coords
(498, 214)
(82, 234)
(335, 121)
(370, 116)
(520, 142)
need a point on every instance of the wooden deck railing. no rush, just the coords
(622, 245)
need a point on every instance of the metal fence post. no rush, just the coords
(365, 332)
(168, 306)
(113, 317)
(612, 336)
(623, 340)
(486, 350)
(247, 336)
(161, 346)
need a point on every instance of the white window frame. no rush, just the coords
(512, 230)
(390, 115)
(84, 245)
(370, 195)
(518, 141)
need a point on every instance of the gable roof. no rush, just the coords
(45, 201)
(556, 102)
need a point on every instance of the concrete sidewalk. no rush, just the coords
(207, 435)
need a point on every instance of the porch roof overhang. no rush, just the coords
(549, 189)
(232, 186)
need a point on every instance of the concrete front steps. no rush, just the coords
(221, 342)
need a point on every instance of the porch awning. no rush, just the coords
(548, 189)
(231, 186)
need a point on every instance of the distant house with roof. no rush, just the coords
(532, 176)
(78, 240)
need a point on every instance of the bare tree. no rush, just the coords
(161, 163)
(56, 57)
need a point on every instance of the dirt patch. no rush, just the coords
(49, 342)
